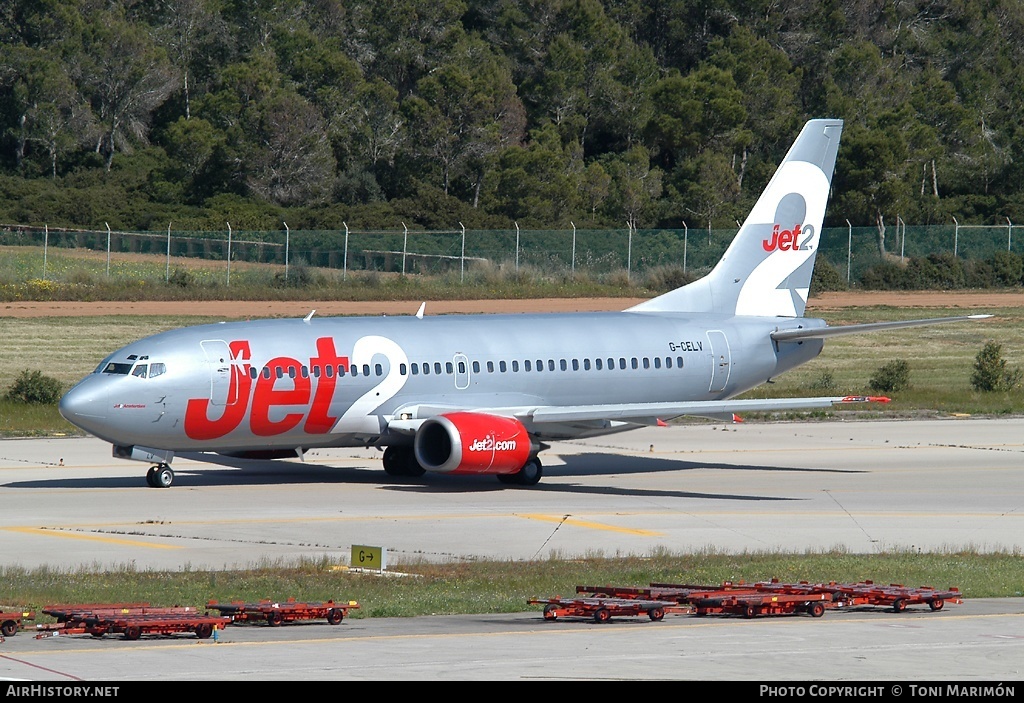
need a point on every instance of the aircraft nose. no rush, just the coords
(83, 407)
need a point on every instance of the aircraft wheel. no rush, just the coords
(531, 473)
(151, 477)
(412, 467)
(395, 459)
(507, 478)
(401, 462)
(163, 477)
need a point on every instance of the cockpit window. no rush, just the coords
(141, 370)
(118, 368)
(157, 369)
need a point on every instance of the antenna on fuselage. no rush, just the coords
(309, 317)
(419, 313)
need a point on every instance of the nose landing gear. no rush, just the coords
(160, 476)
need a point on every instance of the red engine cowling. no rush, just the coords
(472, 443)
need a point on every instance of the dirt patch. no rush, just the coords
(230, 309)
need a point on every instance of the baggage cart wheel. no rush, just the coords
(550, 611)
(750, 611)
(275, 618)
(602, 615)
(899, 605)
(816, 610)
(204, 630)
(132, 632)
(656, 614)
(9, 628)
(334, 616)
(936, 604)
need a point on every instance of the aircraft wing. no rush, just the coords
(651, 413)
(823, 332)
(632, 413)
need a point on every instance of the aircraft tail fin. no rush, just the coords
(766, 270)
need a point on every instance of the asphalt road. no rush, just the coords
(863, 486)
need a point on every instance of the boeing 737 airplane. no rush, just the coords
(484, 394)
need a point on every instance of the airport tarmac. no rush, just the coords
(859, 485)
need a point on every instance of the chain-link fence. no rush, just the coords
(850, 250)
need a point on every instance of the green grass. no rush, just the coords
(941, 360)
(506, 586)
(78, 274)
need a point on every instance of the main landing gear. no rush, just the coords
(160, 476)
(401, 461)
(529, 475)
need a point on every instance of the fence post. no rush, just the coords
(686, 236)
(405, 246)
(1009, 234)
(517, 247)
(629, 250)
(229, 256)
(46, 246)
(167, 269)
(108, 250)
(344, 258)
(287, 242)
(956, 237)
(903, 236)
(462, 261)
(849, 249)
(573, 267)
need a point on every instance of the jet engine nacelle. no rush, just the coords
(472, 443)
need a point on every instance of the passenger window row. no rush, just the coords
(449, 368)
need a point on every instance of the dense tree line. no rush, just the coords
(543, 113)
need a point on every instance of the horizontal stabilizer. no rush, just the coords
(823, 332)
